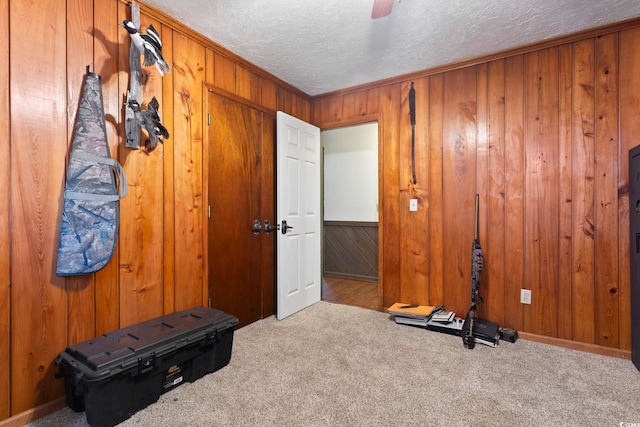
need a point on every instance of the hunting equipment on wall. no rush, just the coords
(412, 118)
(94, 185)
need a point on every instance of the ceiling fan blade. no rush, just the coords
(381, 8)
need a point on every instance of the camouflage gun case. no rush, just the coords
(94, 185)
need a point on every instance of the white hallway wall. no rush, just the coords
(351, 173)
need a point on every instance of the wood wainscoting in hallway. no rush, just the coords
(360, 293)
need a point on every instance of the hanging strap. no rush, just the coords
(412, 118)
(121, 181)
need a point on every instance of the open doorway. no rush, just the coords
(351, 215)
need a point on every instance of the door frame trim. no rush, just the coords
(360, 120)
(208, 87)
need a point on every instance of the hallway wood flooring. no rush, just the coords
(359, 293)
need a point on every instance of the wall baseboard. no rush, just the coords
(33, 414)
(574, 345)
(350, 276)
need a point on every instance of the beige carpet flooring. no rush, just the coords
(337, 365)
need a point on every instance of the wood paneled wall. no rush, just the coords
(542, 136)
(159, 266)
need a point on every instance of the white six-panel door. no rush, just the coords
(298, 203)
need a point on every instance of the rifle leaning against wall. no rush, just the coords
(467, 332)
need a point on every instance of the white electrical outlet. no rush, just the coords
(413, 205)
(525, 296)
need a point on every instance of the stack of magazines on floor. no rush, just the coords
(484, 331)
(440, 320)
(447, 323)
(413, 314)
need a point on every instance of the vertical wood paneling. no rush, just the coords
(606, 191)
(243, 82)
(159, 265)
(565, 218)
(268, 207)
(268, 94)
(105, 50)
(482, 170)
(493, 238)
(140, 245)
(315, 113)
(224, 73)
(331, 109)
(188, 74)
(169, 239)
(541, 186)
(294, 103)
(421, 191)
(124, 41)
(409, 221)
(436, 240)
(361, 99)
(459, 185)
(80, 289)
(629, 131)
(390, 113)
(321, 111)
(413, 243)
(514, 190)
(285, 101)
(303, 108)
(373, 106)
(546, 155)
(255, 89)
(349, 106)
(583, 154)
(38, 151)
(209, 61)
(5, 206)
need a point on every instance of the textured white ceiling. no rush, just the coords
(320, 46)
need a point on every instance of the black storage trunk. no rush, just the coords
(113, 376)
(634, 251)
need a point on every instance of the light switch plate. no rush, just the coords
(413, 205)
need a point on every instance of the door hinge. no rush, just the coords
(208, 119)
(208, 211)
(209, 303)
